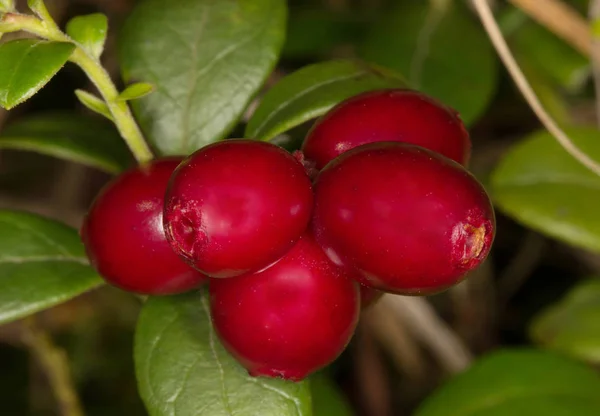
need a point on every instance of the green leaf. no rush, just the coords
(538, 183)
(546, 90)
(7, 5)
(42, 264)
(90, 31)
(518, 383)
(441, 49)
(93, 103)
(327, 398)
(572, 326)
(312, 91)
(206, 58)
(135, 91)
(544, 51)
(73, 137)
(183, 370)
(26, 65)
(316, 32)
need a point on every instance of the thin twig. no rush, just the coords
(422, 320)
(54, 363)
(374, 388)
(395, 339)
(91, 66)
(474, 307)
(521, 266)
(487, 18)
(561, 19)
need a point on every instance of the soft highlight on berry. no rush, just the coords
(124, 236)
(410, 221)
(389, 115)
(291, 319)
(236, 206)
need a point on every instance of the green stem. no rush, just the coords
(92, 67)
(119, 109)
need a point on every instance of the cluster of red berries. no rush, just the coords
(377, 200)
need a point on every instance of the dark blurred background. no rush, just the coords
(390, 365)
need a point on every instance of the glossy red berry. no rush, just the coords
(237, 206)
(124, 237)
(397, 115)
(408, 220)
(290, 319)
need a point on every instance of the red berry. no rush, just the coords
(290, 319)
(237, 206)
(395, 115)
(410, 221)
(124, 237)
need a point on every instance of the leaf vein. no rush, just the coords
(152, 350)
(280, 392)
(184, 381)
(16, 70)
(210, 118)
(35, 259)
(193, 80)
(52, 243)
(211, 339)
(217, 58)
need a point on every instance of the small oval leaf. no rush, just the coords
(572, 326)
(135, 91)
(26, 65)
(89, 31)
(207, 60)
(96, 104)
(183, 370)
(538, 183)
(312, 91)
(518, 383)
(73, 137)
(42, 264)
(441, 49)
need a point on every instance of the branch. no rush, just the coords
(521, 266)
(123, 118)
(396, 340)
(487, 18)
(375, 392)
(561, 19)
(421, 319)
(54, 363)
